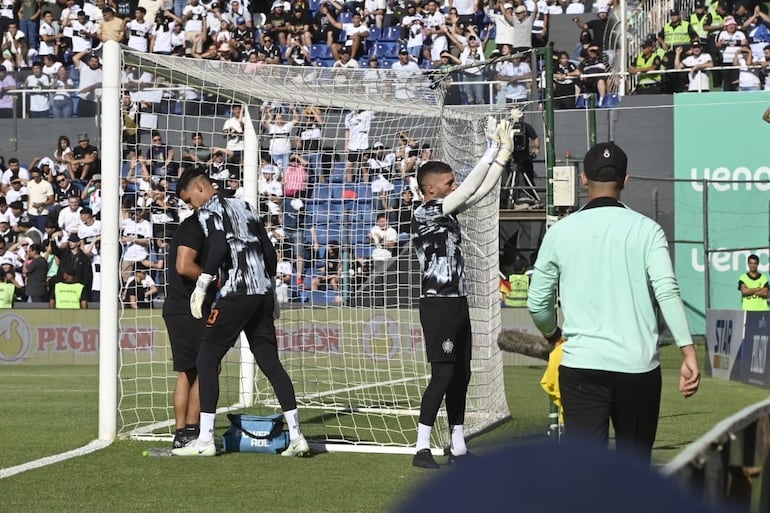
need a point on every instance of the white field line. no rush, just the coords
(93, 446)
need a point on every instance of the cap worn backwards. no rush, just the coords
(605, 162)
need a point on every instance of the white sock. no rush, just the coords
(292, 420)
(207, 427)
(423, 436)
(458, 447)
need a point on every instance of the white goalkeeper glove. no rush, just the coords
(490, 132)
(504, 137)
(199, 294)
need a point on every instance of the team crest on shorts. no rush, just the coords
(448, 346)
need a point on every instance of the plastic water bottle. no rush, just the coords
(157, 452)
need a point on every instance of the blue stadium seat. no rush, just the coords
(391, 33)
(320, 51)
(386, 50)
(387, 62)
(323, 297)
(338, 172)
(363, 250)
(337, 191)
(322, 191)
(366, 197)
(345, 17)
(375, 34)
(314, 5)
(326, 63)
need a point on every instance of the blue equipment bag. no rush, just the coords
(253, 433)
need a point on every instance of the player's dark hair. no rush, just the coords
(431, 167)
(753, 257)
(189, 177)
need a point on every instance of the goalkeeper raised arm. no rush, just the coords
(443, 306)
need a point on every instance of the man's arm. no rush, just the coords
(541, 297)
(186, 264)
(487, 172)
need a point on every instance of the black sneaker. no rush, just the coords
(424, 459)
(461, 459)
(182, 437)
(179, 439)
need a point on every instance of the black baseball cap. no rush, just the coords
(605, 162)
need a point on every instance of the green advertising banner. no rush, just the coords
(719, 137)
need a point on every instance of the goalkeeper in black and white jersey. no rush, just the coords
(241, 256)
(444, 315)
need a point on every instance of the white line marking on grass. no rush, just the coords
(93, 446)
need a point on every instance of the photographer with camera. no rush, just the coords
(518, 190)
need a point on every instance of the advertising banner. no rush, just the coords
(753, 353)
(723, 342)
(719, 136)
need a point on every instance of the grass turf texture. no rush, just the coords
(46, 410)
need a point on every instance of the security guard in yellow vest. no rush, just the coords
(675, 33)
(697, 21)
(646, 62)
(517, 297)
(714, 24)
(68, 294)
(7, 293)
(754, 287)
(519, 280)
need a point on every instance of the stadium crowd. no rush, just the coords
(52, 49)
(50, 209)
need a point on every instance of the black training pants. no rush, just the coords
(591, 398)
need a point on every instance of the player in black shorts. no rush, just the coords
(444, 315)
(240, 254)
(185, 257)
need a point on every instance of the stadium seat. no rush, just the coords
(366, 197)
(314, 5)
(387, 62)
(322, 191)
(375, 34)
(338, 172)
(326, 63)
(391, 33)
(363, 250)
(345, 17)
(320, 51)
(386, 50)
(337, 191)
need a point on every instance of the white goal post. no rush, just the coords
(349, 335)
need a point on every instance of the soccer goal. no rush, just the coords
(349, 333)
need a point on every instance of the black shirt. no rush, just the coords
(178, 288)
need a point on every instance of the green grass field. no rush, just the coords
(46, 410)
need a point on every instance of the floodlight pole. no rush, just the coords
(550, 150)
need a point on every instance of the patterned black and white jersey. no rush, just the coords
(243, 271)
(436, 239)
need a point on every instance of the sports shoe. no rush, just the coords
(297, 447)
(180, 440)
(424, 459)
(460, 459)
(196, 448)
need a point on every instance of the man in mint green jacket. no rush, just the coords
(614, 274)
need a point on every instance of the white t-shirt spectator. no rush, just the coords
(699, 80)
(143, 230)
(280, 142)
(357, 124)
(515, 90)
(138, 35)
(379, 238)
(38, 102)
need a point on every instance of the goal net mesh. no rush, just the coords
(349, 334)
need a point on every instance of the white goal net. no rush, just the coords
(322, 152)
